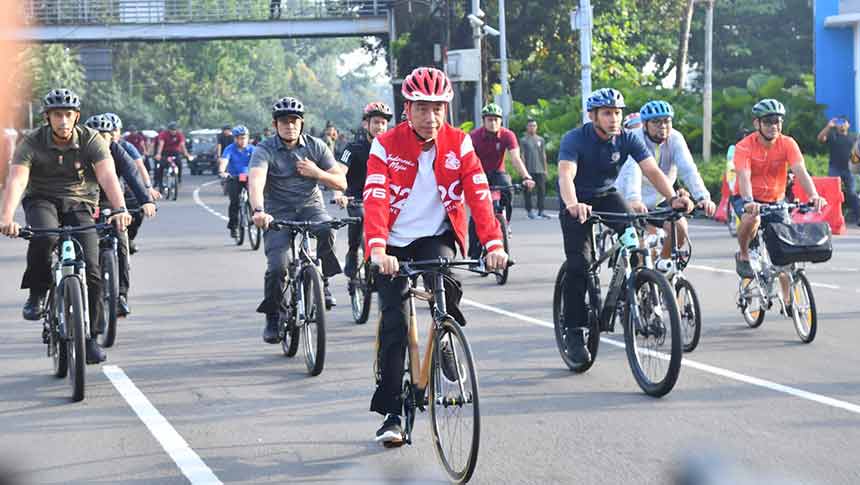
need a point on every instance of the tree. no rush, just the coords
(683, 45)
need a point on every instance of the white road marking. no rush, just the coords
(728, 271)
(736, 376)
(185, 458)
(204, 206)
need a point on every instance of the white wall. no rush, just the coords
(849, 6)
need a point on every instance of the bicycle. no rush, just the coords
(245, 220)
(65, 323)
(643, 298)
(499, 211)
(170, 178)
(303, 302)
(360, 285)
(757, 295)
(689, 307)
(447, 367)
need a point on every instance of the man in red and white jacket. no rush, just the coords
(417, 177)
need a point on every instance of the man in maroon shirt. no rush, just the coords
(137, 139)
(171, 142)
(491, 141)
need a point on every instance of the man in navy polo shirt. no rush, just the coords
(589, 160)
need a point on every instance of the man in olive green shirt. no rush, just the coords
(58, 169)
(533, 148)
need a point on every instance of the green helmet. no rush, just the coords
(767, 107)
(492, 109)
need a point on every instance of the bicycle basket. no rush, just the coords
(797, 243)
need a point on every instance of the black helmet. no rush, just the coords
(172, 125)
(226, 127)
(288, 107)
(61, 99)
(100, 123)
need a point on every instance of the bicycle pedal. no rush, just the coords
(393, 443)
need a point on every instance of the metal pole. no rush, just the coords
(585, 52)
(507, 103)
(476, 36)
(707, 102)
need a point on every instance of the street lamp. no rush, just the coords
(481, 26)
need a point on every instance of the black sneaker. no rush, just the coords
(132, 247)
(449, 364)
(234, 233)
(330, 302)
(270, 333)
(576, 349)
(743, 268)
(34, 306)
(390, 433)
(122, 309)
(95, 353)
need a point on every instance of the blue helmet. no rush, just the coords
(656, 109)
(605, 98)
(240, 130)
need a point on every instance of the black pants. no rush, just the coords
(356, 239)
(539, 191)
(234, 189)
(577, 250)
(394, 307)
(136, 217)
(51, 214)
(277, 247)
(506, 202)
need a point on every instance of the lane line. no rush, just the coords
(170, 440)
(728, 271)
(208, 209)
(710, 369)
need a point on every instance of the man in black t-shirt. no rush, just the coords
(840, 141)
(225, 139)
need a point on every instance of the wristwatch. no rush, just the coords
(257, 210)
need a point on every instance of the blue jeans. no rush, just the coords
(849, 189)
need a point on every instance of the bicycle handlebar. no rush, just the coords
(779, 206)
(515, 187)
(30, 232)
(417, 268)
(306, 225)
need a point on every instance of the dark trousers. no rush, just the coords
(163, 164)
(124, 263)
(277, 247)
(136, 217)
(577, 250)
(394, 307)
(506, 202)
(234, 189)
(356, 239)
(51, 214)
(848, 189)
(539, 191)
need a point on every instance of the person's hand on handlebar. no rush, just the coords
(708, 207)
(496, 260)
(9, 228)
(638, 207)
(817, 202)
(262, 220)
(579, 211)
(388, 265)
(683, 202)
(120, 220)
(752, 208)
(148, 210)
(341, 200)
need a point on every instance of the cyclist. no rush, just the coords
(171, 142)
(761, 161)
(225, 139)
(234, 162)
(590, 158)
(632, 122)
(283, 179)
(137, 139)
(491, 141)
(417, 176)
(669, 149)
(374, 122)
(58, 169)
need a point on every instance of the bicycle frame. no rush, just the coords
(421, 374)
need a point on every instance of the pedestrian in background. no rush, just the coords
(840, 141)
(534, 155)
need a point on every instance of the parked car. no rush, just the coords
(202, 144)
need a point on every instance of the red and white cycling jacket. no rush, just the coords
(391, 171)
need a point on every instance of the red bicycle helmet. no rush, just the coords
(378, 108)
(427, 84)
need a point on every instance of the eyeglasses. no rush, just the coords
(771, 120)
(661, 121)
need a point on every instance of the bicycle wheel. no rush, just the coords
(58, 350)
(749, 302)
(803, 310)
(454, 406)
(652, 329)
(561, 331)
(690, 312)
(110, 294)
(73, 313)
(361, 295)
(255, 234)
(240, 230)
(290, 342)
(313, 328)
(174, 187)
(502, 276)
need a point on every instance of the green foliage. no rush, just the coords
(53, 66)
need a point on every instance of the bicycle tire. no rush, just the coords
(58, 350)
(73, 308)
(442, 402)
(502, 276)
(753, 318)
(313, 328)
(290, 342)
(653, 280)
(240, 230)
(361, 296)
(174, 191)
(558, 325)
(255, 234)
(691, 314)
(110, 294)
(805, 332)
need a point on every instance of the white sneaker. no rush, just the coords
(664, 265)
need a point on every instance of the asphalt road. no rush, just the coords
(191, 393)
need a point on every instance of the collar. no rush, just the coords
(283, 146)
(593, 136)
(488, 134)
(74, 145)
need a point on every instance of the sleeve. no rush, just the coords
(260, 158)
(629, 181)
(99, 150)
(128, 170)
(347, 156)
(511, 140)
(638, 150)
(792, 152)
(23, 154)
(326, 158)
(567, 151)
(132, 151)
(376, 200)
(687, 168)
(741, 158)
(227, 152)
(477, 192)
(542, 151)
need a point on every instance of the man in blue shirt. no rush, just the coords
(234, 163)
(589, 160)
